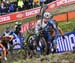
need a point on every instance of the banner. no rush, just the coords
(18, 15)
(63, 2)
(67, 44)
(26, 26)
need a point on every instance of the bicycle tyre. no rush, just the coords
(45, 47)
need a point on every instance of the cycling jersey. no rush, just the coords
(54, 26)
(54, 29)
(5, 42)
(39, 25)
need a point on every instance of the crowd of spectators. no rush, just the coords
(6, 6)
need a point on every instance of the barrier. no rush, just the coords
(67, 44)
(65, 16)
(63, 45)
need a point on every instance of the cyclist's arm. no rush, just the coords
(1, 46)
(37, 26)
(11, 37)
(61, 31)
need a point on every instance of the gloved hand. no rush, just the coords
(63, 37)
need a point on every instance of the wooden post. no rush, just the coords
(67, 16)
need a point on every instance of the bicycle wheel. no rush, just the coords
(43, 45)
(43, 48)
(32, 46)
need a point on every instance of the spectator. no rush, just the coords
(42, 1)
(3, 9)
(7, 3)
(4, 1)
(31, 4)
(20, 5)
(0, 8)
(11, 8)
(15, 5)
(7, 6)
(26, 4)
(36, 3)
(48, 1)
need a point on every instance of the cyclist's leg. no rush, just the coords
(4, 51)
(48, 42)
(6, 46)
(54, 44)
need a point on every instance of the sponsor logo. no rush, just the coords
(19, 15)
(6, 18)
(60, 2)
(66, 44)
(32, 12)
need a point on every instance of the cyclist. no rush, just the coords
(38, 24)
(18, 28)
(7, 37)
(52, 30)
(4, 51)
(17, 31)
(39, 17)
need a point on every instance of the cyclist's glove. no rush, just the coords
(63, 37)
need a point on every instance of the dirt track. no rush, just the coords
(52, 58)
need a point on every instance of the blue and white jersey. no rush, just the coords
(6, 33)
(54, 25)
(16, 40)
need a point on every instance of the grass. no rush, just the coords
(67, 26)
(23, 21)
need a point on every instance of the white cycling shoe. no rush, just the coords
(5, 58)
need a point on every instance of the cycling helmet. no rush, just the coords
(47, 15)
(16, 23)
(7, 27)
